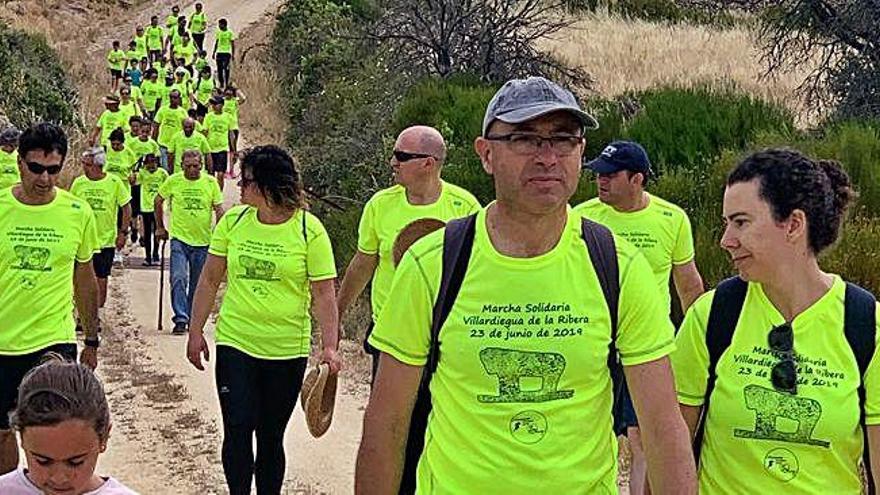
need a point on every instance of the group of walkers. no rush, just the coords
(512, 343)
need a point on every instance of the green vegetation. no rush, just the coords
(34, 83)
(347, 101)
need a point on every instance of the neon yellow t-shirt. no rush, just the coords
(184, 88)
(230, 107)
(141, 148)
(182, 142)
(132, 55)
(192, 203)
(151, 93)
(116, 60)
(218, 126)
(110, 121)
(522, 392)
(224, 40)
(265, 312)
(38, 248)
(105, 196)
(150, 183)
(387, 213)
(204, 89)
(130, 109)
(120, 163)
(171, 22)
(187, 52)
(170, 122)
(198, 23)
(155, 37)
(140, 46)
(200, 64)
(808, 443)
(662, 232)
(8, 168)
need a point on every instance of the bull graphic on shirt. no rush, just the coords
(96, 203)
(257, 269)
(32, 258)
(770, 405)
(192, 203)
(511, 366)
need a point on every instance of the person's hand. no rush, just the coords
(196, 347)
(161, 234)
(89, 357)
(331, 356)
(120, 240)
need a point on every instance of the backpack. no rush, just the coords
(458, 242)
(859, 327)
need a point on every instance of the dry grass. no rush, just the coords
(263, 117)
(625, 55)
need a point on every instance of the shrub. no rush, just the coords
(689, 127)
(34, 84)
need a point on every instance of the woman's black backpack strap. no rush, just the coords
(860, 327)
(724, 314)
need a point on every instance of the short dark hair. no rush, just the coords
(117, 135)
(789, 180)
(44, 136)
(134, 119)
(276, 175)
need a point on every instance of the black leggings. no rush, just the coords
(224, 60)
(199, 40)
(149, 220)
(256, 396)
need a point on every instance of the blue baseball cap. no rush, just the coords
(621, 155)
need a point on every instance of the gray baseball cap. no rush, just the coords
(520, 100)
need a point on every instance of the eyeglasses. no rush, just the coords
(403, 156)
(39, 168)
(530, 144)
(784, 373)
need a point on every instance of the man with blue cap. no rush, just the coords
(520, 381)
(660, 230)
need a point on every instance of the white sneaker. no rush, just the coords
(117, 258)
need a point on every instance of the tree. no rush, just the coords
(840, 37)
(494, 39)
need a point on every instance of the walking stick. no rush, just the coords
(161, 281)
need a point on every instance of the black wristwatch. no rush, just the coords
(96, 342)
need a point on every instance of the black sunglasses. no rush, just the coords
(784, 373)
(403, 156)
(38, 168)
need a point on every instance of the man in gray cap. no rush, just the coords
(519, 368)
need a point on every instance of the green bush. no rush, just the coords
(689, 127)
(33, 81)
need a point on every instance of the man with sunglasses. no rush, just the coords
(522, 391)
(776, 369)
(47, 238)
(418, 193)
(660, 230)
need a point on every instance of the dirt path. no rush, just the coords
(167, 429)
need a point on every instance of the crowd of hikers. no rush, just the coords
(512, 343)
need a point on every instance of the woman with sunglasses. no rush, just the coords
(767, 375)
(278, 263)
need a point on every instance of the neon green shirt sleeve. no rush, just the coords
(690, 361)
(645, 332)
(319, 253)
(368, 240)
(872, 382)
(683, 252)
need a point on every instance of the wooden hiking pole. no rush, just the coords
(161, 280)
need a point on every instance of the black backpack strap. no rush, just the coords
(603, 255)
(724, 314)
(859, 327)
(458, 241)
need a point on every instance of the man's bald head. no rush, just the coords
(423, 139)
(189, 125)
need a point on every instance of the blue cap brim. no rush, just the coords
(602, 166)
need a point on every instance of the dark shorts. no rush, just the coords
(103, 262)
(135, 201)
(12, 371)
(219, 161)
(116, 73)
